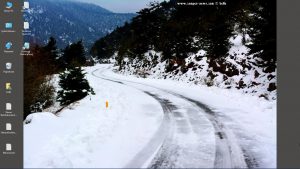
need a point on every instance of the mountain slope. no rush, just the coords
(69, 21)
(231, 46)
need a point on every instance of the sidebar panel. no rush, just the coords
(11, 84)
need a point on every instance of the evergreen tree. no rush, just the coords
(50, 54)
(263, 32)
(218, 38)
(51, 46)
(74, 55)
(218, 31)
(73, 85)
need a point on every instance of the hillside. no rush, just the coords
(231, 46)
(178, 86)
(70, 21)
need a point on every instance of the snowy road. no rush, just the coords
(153, 123)
(190, 136)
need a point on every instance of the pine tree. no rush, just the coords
(51, 46)
(263, 32)
(74, 55)
(219, 31)
(73, 85)
(50, 54)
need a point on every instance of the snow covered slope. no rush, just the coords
(87, 135)
(238, 71)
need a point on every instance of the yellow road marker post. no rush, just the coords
(106, 104)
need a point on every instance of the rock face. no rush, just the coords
(69, 21)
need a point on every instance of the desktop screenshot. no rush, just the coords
(139, 84)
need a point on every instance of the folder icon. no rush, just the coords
(8, 147)
(8, 86)
(8, 126)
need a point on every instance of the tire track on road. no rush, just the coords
(228, 153)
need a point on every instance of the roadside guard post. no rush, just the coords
(106, 104)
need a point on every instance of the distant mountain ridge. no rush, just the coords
(70, 21)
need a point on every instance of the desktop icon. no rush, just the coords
(26, 5)
(8, 127)
(8, 86)
(8, 107)
(8, 65)
(26, 45)
(8, 147)
(8, 25)
(26, 25)
(9, 5)
(8, 45)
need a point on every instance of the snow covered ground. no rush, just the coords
(252, 119)
(88, 135)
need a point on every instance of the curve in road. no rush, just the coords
(190, 135)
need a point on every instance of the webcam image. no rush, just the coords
(147, 84)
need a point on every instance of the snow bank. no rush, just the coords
(87, 135)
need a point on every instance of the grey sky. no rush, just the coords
(121, 6)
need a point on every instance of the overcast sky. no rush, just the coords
(121, 6)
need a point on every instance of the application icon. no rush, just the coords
(8, 127)
(9, 5)
(8, 107)
(26, 5)
(8, 86)
(26, 45)
(8, 25)
(8, 147)
(8, 65)
(26, 25)
(8, 45)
